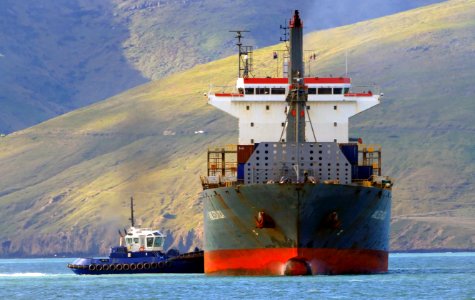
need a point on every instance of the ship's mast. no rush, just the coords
(244, 55)
(297, 97)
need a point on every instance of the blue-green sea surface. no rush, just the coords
(411, 276)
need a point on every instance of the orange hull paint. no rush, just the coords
(271, 261)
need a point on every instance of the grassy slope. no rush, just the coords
(65, 183)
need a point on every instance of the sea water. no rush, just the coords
(410, 276)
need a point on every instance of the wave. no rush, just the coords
(28, 274)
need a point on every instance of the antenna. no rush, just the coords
(284, 32)
(239, 36)
(132, 211)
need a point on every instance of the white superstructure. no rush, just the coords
(144, 239)
(261, 107)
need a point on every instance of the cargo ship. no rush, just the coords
(296, 195)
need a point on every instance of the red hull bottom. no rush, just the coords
(274, 261)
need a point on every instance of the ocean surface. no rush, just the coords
(411, 276)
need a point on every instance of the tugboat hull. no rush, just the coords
(191, 262)
(296, 229)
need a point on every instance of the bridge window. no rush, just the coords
(346, 90)
(335, 107)
(278, 91)
(283, 124)
(262, 91)
(247, 107)
(335, 124)
(324, 91)
(337, 91)
(252, 141)
(267, 107)
(252, 124)
(312, 91)
(249, 91)
(240, 90)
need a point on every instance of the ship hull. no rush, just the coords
(317, 228)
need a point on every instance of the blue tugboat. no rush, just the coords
(140, 251)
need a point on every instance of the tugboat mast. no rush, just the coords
(132, 221)
(297, 97)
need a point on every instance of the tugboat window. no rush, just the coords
(249, 91)
(158, 242)
(150, 242)
(136, 240)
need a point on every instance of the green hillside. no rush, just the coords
(56, 56)
(65, 183)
